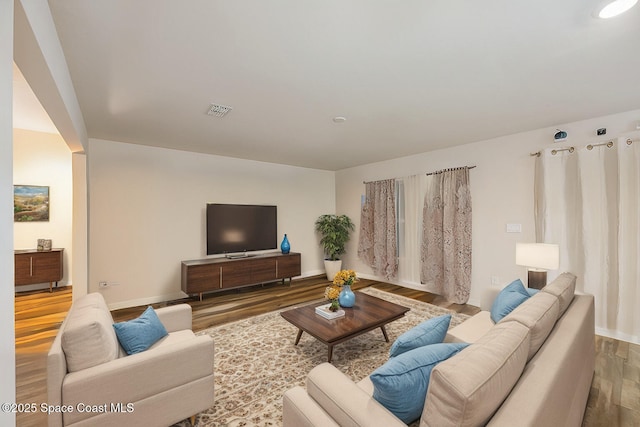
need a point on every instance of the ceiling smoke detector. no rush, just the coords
(218, 110)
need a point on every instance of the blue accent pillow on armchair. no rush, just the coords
(508, 299)
(430, 331)
(139, 334)
(400, 385)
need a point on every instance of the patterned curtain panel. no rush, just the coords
(377, 245)
(446, 243)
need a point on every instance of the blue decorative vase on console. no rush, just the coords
(347, 298)
(285, 247)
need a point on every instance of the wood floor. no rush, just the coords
(614, 399)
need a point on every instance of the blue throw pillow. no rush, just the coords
(532, 291)
(430, 331)
(139, 334)
(508, 299)
(400, 385)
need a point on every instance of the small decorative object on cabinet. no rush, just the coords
(285, 247)
(44, 244)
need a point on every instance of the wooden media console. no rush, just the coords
(217, 274)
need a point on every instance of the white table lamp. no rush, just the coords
(538, 258)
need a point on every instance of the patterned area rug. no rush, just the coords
(255, 361)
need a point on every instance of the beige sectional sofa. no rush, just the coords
(532, 368)
(91, 381)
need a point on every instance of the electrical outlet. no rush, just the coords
(514, 228)
(102, 284)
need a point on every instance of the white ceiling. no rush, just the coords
(27, 110)
(410, 76)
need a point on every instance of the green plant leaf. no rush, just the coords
(334, 231)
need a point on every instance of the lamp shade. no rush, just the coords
(543, 256)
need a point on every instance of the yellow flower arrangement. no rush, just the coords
(332, 292)
(345, 277)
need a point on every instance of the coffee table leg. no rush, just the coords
(298, 337)
(330, 353)
(384, 332)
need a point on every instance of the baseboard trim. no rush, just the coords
(147, 301)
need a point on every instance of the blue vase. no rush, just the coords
(285, 247)
(347, 298)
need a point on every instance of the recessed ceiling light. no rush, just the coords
(340, 119)
(616, 8)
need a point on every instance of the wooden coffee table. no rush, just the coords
(368, 313)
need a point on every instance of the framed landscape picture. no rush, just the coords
(30, 203)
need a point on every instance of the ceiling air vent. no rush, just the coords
(218, 110)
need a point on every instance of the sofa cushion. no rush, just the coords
(471, 329)
(88, 338)
(466, 390)
(139, 334)
(430, 331)
(563, 288)
(409, 371)
(508, 299)
(91, 300)
(539, 313)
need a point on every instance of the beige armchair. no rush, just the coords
(92, 381)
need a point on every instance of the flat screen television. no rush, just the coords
(241, 228)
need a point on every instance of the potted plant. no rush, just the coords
(334, 231)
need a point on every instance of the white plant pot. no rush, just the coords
(331, 268)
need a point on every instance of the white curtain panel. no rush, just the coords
(410, 227)
(588, 203)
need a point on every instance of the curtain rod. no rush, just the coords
(450, 169)
(590, 147)
(432, 173)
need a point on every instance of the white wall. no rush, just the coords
(44, 159)
(79, 263)
(501, 189)
(38, 54)
(147, 205)
(7, 329)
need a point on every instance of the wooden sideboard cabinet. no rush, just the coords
(216, 274)
(33, 266)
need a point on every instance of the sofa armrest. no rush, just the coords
(300, 410)
(488, 296)
(175, 317)
(472, 329)
(56, 371)
(132, 378)
(345, 402)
